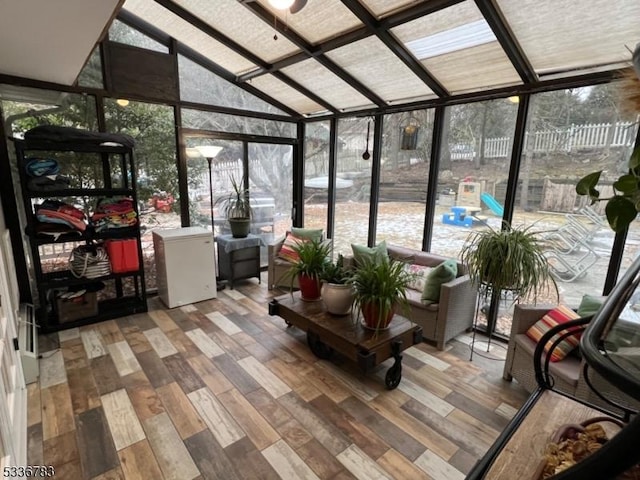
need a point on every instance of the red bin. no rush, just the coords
(123, 255)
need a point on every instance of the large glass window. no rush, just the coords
(473, 172)
(223, 122)
(571, 133)
(91, 74)
(316, 174)
(152, 127)
(197, 84)
(354, 174)
(123, 33)
(406, 151)
(25, 108)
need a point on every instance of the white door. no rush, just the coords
(13, 393)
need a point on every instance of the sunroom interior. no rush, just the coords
(498, 105)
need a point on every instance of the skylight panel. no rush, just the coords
(458, 38)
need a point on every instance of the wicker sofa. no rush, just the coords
(440, 322)
(453, 314)
(568, 374)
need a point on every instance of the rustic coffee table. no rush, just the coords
(327, 333)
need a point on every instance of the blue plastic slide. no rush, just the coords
(492, 203)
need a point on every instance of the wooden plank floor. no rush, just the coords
(221, 390)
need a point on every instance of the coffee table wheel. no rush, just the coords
(393, 376)
(288, 323)
(319, 348)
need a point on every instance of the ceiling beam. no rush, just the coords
(337, 42)
(507, 40)
(313, 51)
(203, 26)
(395, 46)
(360, 33)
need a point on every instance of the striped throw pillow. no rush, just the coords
(560, 314)
(287, 252)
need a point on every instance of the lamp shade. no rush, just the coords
(208, 151)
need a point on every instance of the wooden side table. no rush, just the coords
(238, 258)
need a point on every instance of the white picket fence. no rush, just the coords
(574, 138)
(221, 177)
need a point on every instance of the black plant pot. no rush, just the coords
(240, 227)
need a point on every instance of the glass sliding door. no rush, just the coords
(267, 169)
(316, 174)
(205, 192)
(270, 183)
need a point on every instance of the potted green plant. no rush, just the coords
(236, 207)
(337, 292)
(508, 259)
(313, 255)
(380, 289)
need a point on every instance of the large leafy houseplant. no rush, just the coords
(313, 256)
(236, 207)
(380, 289)
(508, 259)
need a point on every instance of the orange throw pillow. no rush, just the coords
(560, 314)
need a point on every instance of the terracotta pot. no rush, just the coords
(309, 287)
(337, 298)
(372, 319)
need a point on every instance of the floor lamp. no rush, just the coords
(210, 152)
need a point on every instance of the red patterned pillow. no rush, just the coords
(560, 314)
(287, 252)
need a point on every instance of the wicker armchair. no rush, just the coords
(568, 374)
(277, 267)
(519, 363)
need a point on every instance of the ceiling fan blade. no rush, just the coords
(297, 6)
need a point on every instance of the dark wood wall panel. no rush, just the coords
(138, 72)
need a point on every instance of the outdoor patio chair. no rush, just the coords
(569, 266)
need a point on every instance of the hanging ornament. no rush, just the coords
(366, 155)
